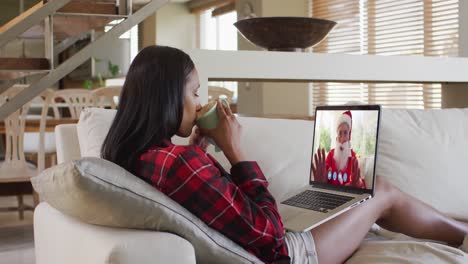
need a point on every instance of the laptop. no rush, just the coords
(342, 174)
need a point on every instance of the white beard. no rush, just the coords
(341, 155)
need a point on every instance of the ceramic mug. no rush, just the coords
(207, 118)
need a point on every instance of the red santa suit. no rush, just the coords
(345, 176)
(341, 177)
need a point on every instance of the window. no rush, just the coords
(219, 33)
(386, 27)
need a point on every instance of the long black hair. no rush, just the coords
(151, 104)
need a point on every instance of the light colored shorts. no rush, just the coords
(301, 248)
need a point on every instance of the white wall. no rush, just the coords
(249, 94)
(273, 98)
(286, 98)
(118, 53)
(281, 8)
(175, 26)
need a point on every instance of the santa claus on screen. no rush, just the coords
(341, 165)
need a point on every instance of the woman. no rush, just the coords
(160, 100)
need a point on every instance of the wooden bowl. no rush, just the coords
(285, 33)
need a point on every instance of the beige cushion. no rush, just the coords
(99, 192)
(62, 242)
(92, 129)
(68, 148)
(424, 153)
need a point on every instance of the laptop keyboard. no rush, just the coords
(317, 201)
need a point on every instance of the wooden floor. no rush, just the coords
(16, 237)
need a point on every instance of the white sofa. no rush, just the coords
(281, 148)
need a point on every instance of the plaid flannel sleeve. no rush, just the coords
(239, 206)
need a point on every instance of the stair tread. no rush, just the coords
(92, 15)
(68, 26)
(6, 75)
(24, 64)
(77, 7)
(89, 7)
(82, 12)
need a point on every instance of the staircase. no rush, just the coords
(61, 23)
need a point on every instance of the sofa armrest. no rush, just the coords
(66, 141)
(62, 239)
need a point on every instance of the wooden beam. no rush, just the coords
(24, 64)
(197, 6)
(224, 9)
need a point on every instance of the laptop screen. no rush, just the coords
(345, 147)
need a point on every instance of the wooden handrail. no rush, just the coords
(20, 17)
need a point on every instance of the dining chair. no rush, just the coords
(108, 96)
(15, 171)
(58, 105)
(40, 109)
(75, 100)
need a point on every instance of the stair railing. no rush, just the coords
(79, 58)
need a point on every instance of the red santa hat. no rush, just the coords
(347, 118)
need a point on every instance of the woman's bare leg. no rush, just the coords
(338, 238)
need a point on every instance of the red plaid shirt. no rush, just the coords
(237, 205)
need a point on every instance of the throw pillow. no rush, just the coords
(92, 129)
